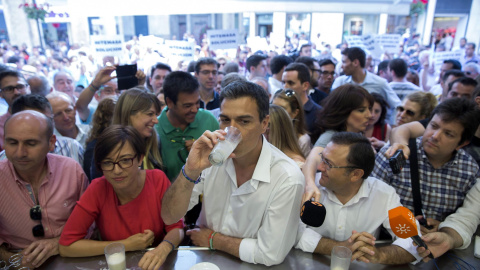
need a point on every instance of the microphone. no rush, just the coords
(313, 213)
(404, 225)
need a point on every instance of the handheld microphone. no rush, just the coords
(313, 213)
(404, 225)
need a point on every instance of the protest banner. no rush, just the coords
(180, 50)
(222, 39)
(390, 43)
(439, 57)
(257, 43)
(107, 45)
(366, 42)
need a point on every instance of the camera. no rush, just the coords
(397, 161)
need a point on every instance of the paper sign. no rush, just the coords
(257, 43)
(181, 50)
(439, 57)
(390, 43)
(107, 45)
(222, 39)
(366, 42)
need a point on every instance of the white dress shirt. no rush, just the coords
(367, 211)
(264, 211)
(466, 219)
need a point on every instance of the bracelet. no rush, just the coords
(188, 178)
(173, 246)
(95, 89)
(210, 240)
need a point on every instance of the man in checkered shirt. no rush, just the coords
(446, 172)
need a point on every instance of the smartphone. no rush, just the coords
(397, 161)
(423, 222)
(126, 76)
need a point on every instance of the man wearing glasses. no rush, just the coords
(327, 75)
(39, 190)
(12, 85)
(357, 205)
(206, 70)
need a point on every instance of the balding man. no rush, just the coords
(39, 190)
(63, 82)
(39, 85)
(64, 117)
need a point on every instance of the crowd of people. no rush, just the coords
(85, 164)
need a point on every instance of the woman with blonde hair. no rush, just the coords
(288, 100)
(139, 109)
(415, 106)
(281, 134)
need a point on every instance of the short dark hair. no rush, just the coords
(231, 67)
(308, 61)
(455, 63)
(31, 102)
(356, 53)
(179, 82)
(10, 73)
(463, 80)
(160, 66)
(383, 66)
(302, 71)
(454, 72)
(360, 152)
(114, 135)
(279, 62)
(231, 77)
(254, 60)
(205, 61)
(13, 59)
(399, 67)
(325, 62)
(471, 44)
(240, 88)
(462, 110)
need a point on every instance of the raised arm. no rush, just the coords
(309, 171)
(400, 136)
(102, 77)
(176, 200)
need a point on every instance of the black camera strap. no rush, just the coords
(414, 178)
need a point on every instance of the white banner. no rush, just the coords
(375, 44)
(223, 39)
(107, 45)
(390, 43)
(181, 50)
(439, 57)
(257, 44)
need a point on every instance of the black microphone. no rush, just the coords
(313, 213)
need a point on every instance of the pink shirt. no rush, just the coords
(3, 119)
(62, 187)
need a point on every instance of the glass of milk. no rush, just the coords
(224, 148)
(340, 259)
(115, 254)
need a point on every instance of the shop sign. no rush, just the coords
(57, 14)
(107, 45)
(222, 39)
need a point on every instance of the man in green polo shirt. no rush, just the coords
(182, 121)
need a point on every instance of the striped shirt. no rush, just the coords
(443, 190)
(58, 194)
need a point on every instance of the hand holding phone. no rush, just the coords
(397, 161)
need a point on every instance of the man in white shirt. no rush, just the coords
(398, 69)
(357, 205)
(353, 64)
(277, 66)
(251, 203)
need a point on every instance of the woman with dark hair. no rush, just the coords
(125, 203)
(102, 118)
(347, 108)
(377, 130)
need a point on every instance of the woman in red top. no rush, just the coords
(125, 203)
(378, 131)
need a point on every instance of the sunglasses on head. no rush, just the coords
(36, 214)
(409, 112)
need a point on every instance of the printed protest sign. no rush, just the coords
(181, 50)
(107, 45)
(222, 39)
